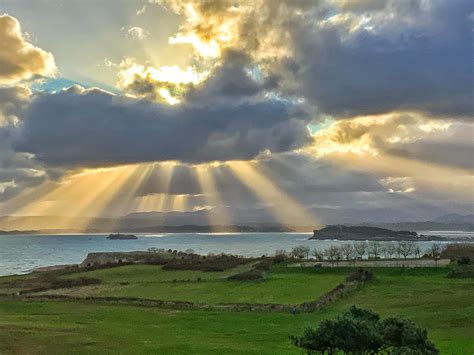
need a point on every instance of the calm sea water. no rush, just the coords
(22, 253)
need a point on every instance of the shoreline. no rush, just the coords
(263, 243)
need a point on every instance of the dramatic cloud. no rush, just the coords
(13, 99)
(376, 134)
(166, 84)
(17, 170)
(20, 60)
(408, 55)
(453, 147)
(93, 127)
(347, 58)
(406, 135)
(385, 86)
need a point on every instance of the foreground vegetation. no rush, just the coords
(443, 305)
(362, 331)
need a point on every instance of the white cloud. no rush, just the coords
(135, 32)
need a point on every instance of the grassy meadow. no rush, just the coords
(282, 285)
(442, 305)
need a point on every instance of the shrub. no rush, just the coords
(361, 331)
(250, 275)
(264, 264)
(360, 275)
(279, 258)
(461, 271)
(216, 263)
(455, 251)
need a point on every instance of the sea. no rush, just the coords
(21, 254)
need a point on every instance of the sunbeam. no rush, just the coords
(283, 207)
(442, 181)
(206, 179)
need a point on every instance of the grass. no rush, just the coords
(82, 328)
(281, 285)
(444, 306)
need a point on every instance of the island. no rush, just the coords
(119, 236)
(341, 232)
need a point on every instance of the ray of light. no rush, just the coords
(126, 201)
(120, 192)
(162, 174)
(440, 180)
(283, 207)
(27, 197)
(207, 183)
(82, 197)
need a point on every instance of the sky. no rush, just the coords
(296, 108)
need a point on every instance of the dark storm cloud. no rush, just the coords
(352, 57)
(17, 171)
(233, 80)
(90, 128)
(415, 55)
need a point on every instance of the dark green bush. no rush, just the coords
(264, 264)
(216, 263)
(250, 275)
(360, 275)
(360, 331)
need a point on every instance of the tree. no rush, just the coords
(333, 253)
(404, 248)
(280, 252)
(417, 251)
(374, 248)
(384, 250)
(403, 336)
(435, 252)
(337, 254)
(360, 331)
(306, 251)
(300, 252)
(348, 251)
(360, 249)
(318, 255)
(391, 249)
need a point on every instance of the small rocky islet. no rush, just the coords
(119, 236)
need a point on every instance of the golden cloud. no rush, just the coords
(19, 59)
(166, 83)
(373, 134)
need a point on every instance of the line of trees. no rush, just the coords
(371, 249)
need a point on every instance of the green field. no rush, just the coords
(281, 285)
(443, 306)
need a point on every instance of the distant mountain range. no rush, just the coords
(242, 220)
(456, 218)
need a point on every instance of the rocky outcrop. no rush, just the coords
(110, 258)
(119, 236)
(341, 232)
